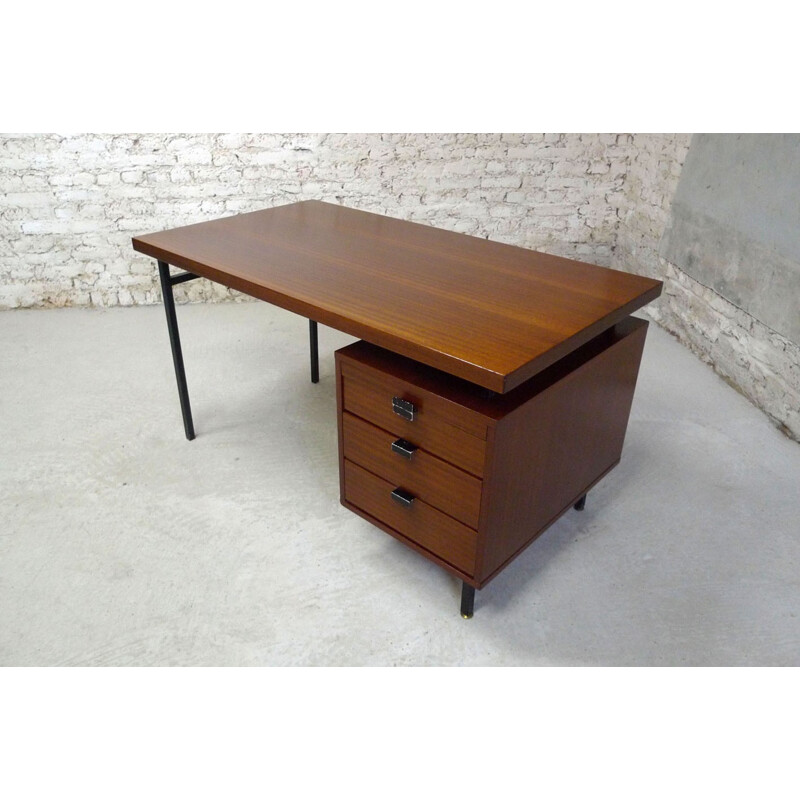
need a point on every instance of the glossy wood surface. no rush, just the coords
(442, 428)
(438, 483)
(432, 530)
(487, 312)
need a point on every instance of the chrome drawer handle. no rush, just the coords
(404, 408)
(404, 448)
(403, 497)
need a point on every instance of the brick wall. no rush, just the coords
(70, 204)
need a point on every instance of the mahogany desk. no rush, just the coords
(493, 380)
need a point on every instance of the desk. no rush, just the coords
(487, 328)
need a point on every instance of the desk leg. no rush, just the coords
(175, 343)
(581, 504)
(314, 342)
(467, 600)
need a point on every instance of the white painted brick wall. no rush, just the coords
(70, 204)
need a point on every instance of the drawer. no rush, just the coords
(440, 426)
(438, 483)
(426, 526)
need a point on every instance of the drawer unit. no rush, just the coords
(470, 478)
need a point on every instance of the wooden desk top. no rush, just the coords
(490, 313)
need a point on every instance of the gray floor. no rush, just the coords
(124, 544)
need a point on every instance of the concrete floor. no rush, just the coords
(124, 544)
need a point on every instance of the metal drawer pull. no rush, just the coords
(404, 448)
(404, 408)
(403, 497)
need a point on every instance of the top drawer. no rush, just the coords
(441, 427)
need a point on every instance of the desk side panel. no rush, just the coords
(551, 450)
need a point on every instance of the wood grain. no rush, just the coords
(426, 526)
(438, 426)
(487, 312)
(438, 483)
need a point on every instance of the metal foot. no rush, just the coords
(581, 504)
(313, 339)
(467, 600)
(175, 343)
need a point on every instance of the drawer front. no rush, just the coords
(442, 535)
(438, 483)
(438, 426)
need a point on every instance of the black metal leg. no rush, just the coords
(175, 342)
(467, 600)
(312, 335)
(581, 504)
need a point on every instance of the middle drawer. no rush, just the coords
(434, 481)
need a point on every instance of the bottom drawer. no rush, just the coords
(435, 531)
